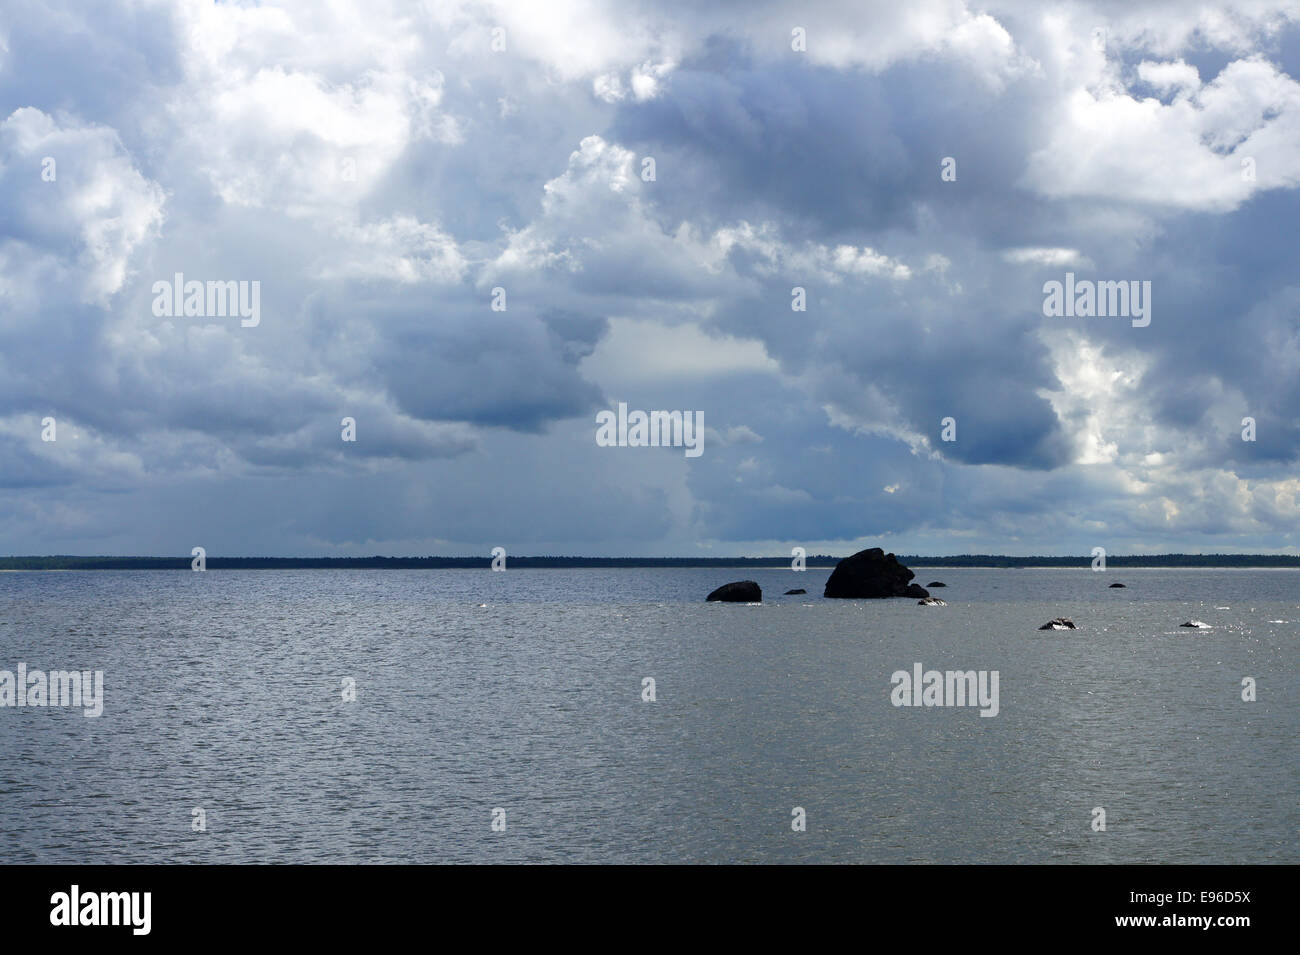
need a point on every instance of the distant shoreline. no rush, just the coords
(816, 562)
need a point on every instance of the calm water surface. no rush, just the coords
(223, 691)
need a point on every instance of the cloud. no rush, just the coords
(399, 249)
(382, 169)
(1210, 148)
(636, 352)
(1052, 258)
(75, 207)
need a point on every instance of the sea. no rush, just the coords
(613, 716)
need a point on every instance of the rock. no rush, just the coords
(872, 573)
(799, 591)
(741, 591)
(932, 602)
(1117, 585)
(1059, 623)
(936, 583)
(1199, 625)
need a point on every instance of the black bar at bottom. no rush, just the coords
(334, 904)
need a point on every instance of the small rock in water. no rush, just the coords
(932, 602)
(1118, 585)
(936, 583)
(1059, 623)
(741, 591)
(799, 591)
(1199, 625)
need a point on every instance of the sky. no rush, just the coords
(644, 188)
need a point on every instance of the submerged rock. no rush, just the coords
(872, 573)
(936, 583)
(932, 602)
(1059, 623)
(1117, 585)
(741, 591)
(799, 591)
(1198, 624)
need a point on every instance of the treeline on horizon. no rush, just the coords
(824, 561)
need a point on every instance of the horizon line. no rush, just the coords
(147, 562)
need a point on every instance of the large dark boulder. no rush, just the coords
(742, 591)
(936, 583)
(1117, 585)
(872, 573)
